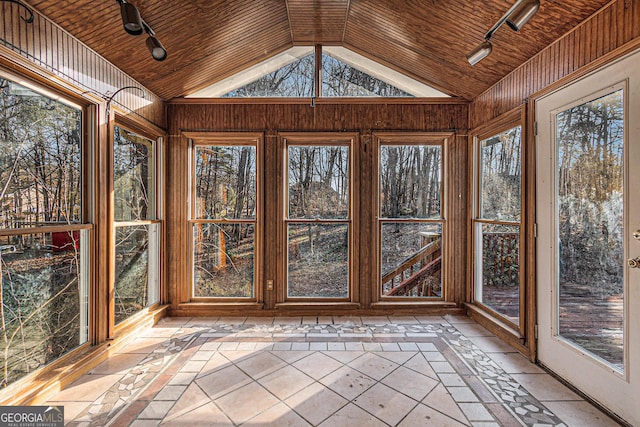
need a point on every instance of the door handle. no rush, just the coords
(634, 262)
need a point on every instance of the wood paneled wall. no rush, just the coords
(272, 118)
(45, 44)
(612, 27)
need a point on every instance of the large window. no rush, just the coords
(497, 222)
(44, 235)
(341, 73)
(318, 216)
(137, 228)
(225, 216)
(410, 215)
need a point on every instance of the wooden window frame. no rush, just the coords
(157, 136)
(441, 140)
(350, 140)
(253, 139)
(87, 224)
(503, 123)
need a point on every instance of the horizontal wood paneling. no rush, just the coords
(322, 117)
(270, 119)
(611, 28)
(50, 47)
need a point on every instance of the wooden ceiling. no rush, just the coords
(208, 40)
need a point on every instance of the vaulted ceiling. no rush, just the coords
(208, 40)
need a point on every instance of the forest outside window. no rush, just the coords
(410, 215)
(44, 233)
(318, 216)
(225, 216)
(137, 228)
(497, 223)
(342, 73)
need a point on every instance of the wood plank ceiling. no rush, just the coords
(208, 40)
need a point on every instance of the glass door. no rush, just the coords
(588, 207)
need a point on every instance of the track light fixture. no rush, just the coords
(28, 19)
(135, 25)
(479, 52)
(131, 20)
(522, 14)
(515, 17)
(158, 51)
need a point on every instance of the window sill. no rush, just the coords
(501, 329)
(433, 306)
(305, 305)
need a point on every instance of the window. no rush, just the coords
(497, 222)
(137, 228)
(294, 79)
(343, 73)
(318, 216)
(410, 215)
(342, 79)
(44, 234)
(225, 216)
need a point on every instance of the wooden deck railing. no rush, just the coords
(410, 278)
(500, 259)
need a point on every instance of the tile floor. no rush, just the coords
(321, 371)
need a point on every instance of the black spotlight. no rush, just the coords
(131, 18)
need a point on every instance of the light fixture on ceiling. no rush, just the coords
(522, 14)
(131, 20)
(515, 17)
(135, 25)
(479, 52)
(158, 51)
(28, 19)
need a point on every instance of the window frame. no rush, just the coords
(441, 140)
(326, 139)
(510, 120)
(254, 139)
(86, 226)
(156, 136)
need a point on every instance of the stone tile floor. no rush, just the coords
(321, 371)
